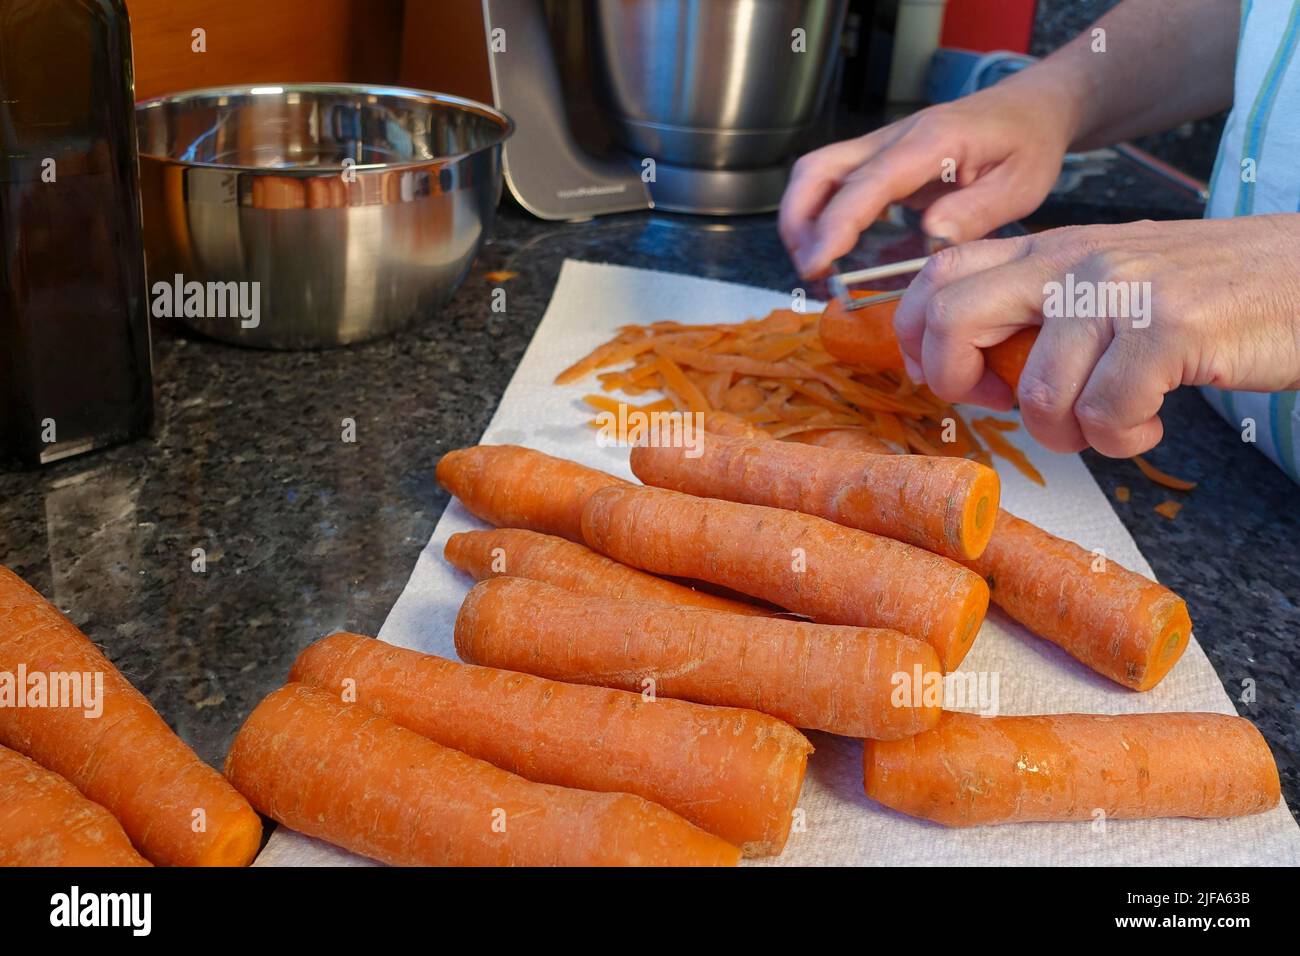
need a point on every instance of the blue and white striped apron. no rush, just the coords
(1263, 132)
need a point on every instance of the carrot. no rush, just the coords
(849, 439)
(515, 487)
(543, 557)
(1007, 359)
(865, 338)
(344, 774)
(971, 770)
(1119, 623)
(735, 773)
(945, 505)
(176, 809)
(1048, 584)
(838, 679)
(809, 565)
(44, 821)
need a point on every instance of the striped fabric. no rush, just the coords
(1257, 170)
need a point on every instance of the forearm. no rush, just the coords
(1165, 62)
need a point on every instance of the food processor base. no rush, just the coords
(718, 192)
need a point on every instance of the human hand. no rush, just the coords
(1200, 302)
(974, 164)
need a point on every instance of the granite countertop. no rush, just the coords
(306, 534)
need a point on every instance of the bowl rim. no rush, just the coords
(506, 124)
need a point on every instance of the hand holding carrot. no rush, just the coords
(865, 338)
(1196, 302)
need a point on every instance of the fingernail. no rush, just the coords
(808, 258)
(800, 257)
(913, 370)
(940, 233)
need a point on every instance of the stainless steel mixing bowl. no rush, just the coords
(727, 84)
(354, 208)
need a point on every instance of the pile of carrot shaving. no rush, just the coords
(774, 373)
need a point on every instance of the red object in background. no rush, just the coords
(982, 25)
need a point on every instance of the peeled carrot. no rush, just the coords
(838, 679)
(736, 773)
(865, 338)
(344, 774)
(945, 505)
(44, 821)
(544, 557)
(515, 487)
(809, 565)
(971, 770)
(176, 809)
(1119, 623)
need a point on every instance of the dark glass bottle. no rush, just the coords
(74, 322)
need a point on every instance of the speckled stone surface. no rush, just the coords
(1111, 189)
(306, 534)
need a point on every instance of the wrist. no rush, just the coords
(1064, 89)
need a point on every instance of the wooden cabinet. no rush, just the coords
(263, 41)
(444, 48)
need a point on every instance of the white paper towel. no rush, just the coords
(841, 825)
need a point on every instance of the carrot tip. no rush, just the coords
(238, 845)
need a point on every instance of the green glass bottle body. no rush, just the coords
(75, 369)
